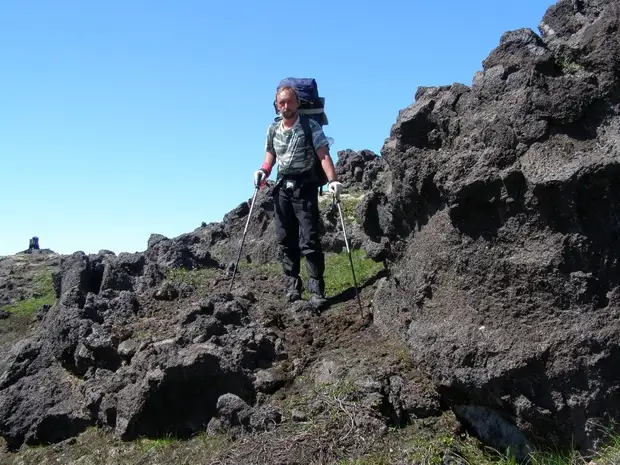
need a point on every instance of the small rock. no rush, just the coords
(186, 290)
(328, 372)
(214, 427)
(229, 313)
(270, 380)
(373, 401)
(370, 423)
(298, 415)
(301, 306)
(265, 419)
(233, 411)
(249, 296)
(41, 312)
(4, 314)
(317, 407)
(368, 385)
(128, 348)
(166, 292)
(453, 459)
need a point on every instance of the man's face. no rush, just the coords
(287, 104)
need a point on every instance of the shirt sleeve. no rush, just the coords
(319, 138)
(269, 141)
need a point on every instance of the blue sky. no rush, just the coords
(119, 119)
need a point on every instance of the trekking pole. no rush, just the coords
(245, 231)
(346, 243)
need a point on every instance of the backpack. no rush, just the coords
(311, 106)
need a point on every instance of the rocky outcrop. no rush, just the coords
(26, 276)
(87, 367)
(359, 170)
(504, 219)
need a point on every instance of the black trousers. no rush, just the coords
(297, 221)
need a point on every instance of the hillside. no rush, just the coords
(486, 241)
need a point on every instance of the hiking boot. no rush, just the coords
(317, 293)
(318, 301)
(293, 289)
(292, 296)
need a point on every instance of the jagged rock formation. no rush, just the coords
(135, 387)
(109, 353)
(359, 170)
(504, 217)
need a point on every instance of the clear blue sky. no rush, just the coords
(119, 119)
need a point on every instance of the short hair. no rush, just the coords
(285, 88)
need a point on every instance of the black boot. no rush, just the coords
(293, 289)
(316, 287)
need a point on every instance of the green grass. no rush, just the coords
(270, 269)
(43, 293)
(414, 444)
(348, 204)
(194, 277)
(338, 275)
(146, 445)
(95, 447)
(407, 445)
(418, 446)
(610, 452)
(567, 65)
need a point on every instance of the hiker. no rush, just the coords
(301, 149)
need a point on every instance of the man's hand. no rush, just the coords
(259, 177)
(336, 188)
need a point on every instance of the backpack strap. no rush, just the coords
(305, 124)
(317, 170)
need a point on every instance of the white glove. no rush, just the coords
(336, 188)
(259, 176)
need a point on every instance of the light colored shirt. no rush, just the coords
(289, 146)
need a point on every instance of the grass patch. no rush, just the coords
(414, 445)
(348, 204)
(610, 453)
(338, 277)
(29, 307)
(147, 445)
(43, 294)
(418, 443)
(194, 277)
(270, 268)
(95, 447)
(567, 65)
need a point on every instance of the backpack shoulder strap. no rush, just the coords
(317, 170)
(305, 124)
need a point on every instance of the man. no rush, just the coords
(296, 194)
